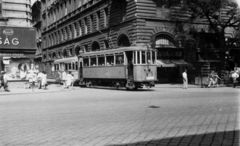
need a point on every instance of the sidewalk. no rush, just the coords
(18, 88)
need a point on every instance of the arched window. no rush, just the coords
(105, 17)
(54, 56)
(123, 41)
(123, 5)
(97, 20)
(74, 32)
(105, 43)
(64, 54)
(77, 50)
(95, 46)
(69, 28)
(91, 23)
(85, 26)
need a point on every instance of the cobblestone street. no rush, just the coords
(166, 115)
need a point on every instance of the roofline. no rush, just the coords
(118, 50)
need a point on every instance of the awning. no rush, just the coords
(165, 63)
(180, 62)
(66, 60)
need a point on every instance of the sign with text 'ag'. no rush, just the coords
(17, 38)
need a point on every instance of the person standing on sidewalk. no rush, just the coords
(185, 79)
(4, 81)
(69, 80)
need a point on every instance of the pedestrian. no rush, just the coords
(39, 79)
(69, 80)
(44, 80)
(211, 79)
(235, 76)
(4, 81)
(185, 79)
(58, 78)
(64, 76)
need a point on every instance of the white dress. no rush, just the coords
(69, 79)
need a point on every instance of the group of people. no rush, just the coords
(213, 78)
(66, 78)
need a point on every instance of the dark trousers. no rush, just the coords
(4, 85)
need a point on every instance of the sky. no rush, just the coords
(32, 2)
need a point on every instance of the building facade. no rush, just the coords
(70, 27)
(17, 38)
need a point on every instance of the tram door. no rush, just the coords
(80, 68)
(129, 55)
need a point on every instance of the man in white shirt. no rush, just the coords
(185, 79)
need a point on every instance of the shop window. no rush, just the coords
(101, 61)
(86, 62)
(93, 61)
(110, 60)
(119, 59)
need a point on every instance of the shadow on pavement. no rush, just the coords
(229, 138)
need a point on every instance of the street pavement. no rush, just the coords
(165, 115)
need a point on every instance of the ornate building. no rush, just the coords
(17, 37)
(70, 27)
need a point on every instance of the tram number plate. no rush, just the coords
(150, 78)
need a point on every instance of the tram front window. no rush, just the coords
(86, 62)
(149, 57)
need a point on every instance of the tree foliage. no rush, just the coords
(218, 14)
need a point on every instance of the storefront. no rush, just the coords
(17, 50)
(170, 60)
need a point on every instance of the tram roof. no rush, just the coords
(118, 50)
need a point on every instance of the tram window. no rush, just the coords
(149, 57)
(76, 65)
(101, 61)
(143, 57)
(153, 56)
(134, 58)
(69, 66)
(86, 62)
(66, 66)
(119, 59)
(93, 61)
(138, 57)
(110, 60)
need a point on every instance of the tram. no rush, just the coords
(129, 67)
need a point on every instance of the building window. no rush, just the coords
(105, 17)
(105, 43)
(80, 29)
(98, 21)
(1, 8)
(74, 32)
(85, 26)
(91, 23)
(66, 10)
(167, 3)
(123, 5)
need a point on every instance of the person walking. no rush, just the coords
(64, 78)
(185, 79)
(4, 81)
(69, 80)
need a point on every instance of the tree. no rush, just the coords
(220, 15)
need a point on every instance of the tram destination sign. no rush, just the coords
(17, 38)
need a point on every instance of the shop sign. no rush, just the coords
(17, 38)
